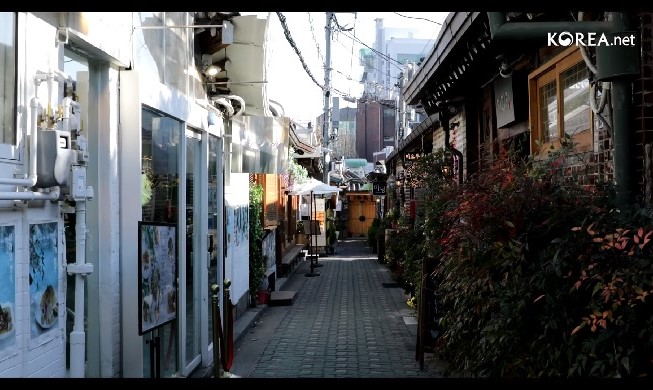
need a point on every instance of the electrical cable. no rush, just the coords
(286, 31)
(417, 17)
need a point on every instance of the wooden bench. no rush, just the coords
(291, 258)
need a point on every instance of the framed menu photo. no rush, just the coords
(157, 274)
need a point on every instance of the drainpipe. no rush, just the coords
(620, 95)
(80, 269)
(80, 193)
(624, 167)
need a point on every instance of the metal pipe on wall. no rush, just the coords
(31, 178)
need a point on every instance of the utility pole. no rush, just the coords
(327, 95)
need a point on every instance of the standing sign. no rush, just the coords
(319, 214)
(157, 274)
(378, 188)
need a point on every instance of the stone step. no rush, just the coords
(282, 298)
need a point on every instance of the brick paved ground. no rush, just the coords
(352, 321)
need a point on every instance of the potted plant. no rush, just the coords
(257, 261)
(300, 232)
(372, 234)
(331, 236)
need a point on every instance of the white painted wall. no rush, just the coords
(115, 348)
(32, 355)
(237, 262)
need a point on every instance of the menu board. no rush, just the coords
(157, 274)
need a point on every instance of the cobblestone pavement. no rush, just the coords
(351, 321)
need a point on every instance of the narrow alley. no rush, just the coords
(351, 321)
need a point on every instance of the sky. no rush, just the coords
(289, 83)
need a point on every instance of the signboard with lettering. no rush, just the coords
(378, 188)
(503, 96)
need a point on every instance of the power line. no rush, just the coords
(317, 45)
(340, 28)
(282, 19)
(383, 56)
(290, 40)
(417, 17)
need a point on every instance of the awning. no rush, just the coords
(313, 187)
(423, 87)
(300, 147)
(430, 123)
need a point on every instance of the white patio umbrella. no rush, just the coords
(313, 187)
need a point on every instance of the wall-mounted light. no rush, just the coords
(209, 69)
(505, 70)
(212, 71)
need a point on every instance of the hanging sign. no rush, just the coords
(378, 188)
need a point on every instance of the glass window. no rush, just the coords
(576, 90)
(160, 176)
(8, 78)
(160, 166)
(560, 89)
(549, 111)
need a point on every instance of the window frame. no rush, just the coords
(11, 152)
(552, 70)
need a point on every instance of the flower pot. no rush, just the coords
(263, 297)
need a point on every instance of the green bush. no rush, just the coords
(373, 233)
(537, 274)
(256, 232)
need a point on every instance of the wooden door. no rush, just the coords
(362, 211)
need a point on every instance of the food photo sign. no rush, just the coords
(7, 290)
(157, 274)
(43, 278)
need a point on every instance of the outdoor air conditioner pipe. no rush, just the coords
(29, 195)
(240, 100)
(62, 75)
(283, 112)
(597, 110)
(226, 104)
